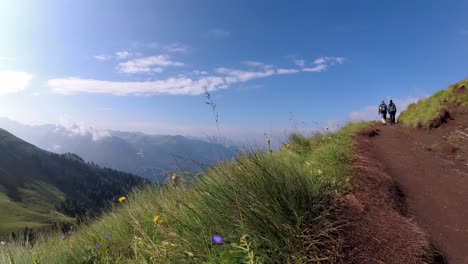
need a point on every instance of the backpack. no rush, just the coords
(391, 108)
(383, 108)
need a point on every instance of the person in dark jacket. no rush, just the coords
(392, 111)
(383, 112)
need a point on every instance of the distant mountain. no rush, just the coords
(148, 156)
(39, 188)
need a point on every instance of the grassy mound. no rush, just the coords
(268, 208)
(425, 112)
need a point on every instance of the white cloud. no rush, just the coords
(219, 33)
(257, 64)
(318, 68)
(287, 71)
(174, 86)
(198, 72)
(123, 54)
(300, 63)
(329, 60)
(146, 64)
(73, 128)
(103, 57)
(181, 84)
(320, 61)
(235, 76)
(176, 47)
(14, 81)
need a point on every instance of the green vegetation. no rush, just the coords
(269, 208)
(421, 114)
(39, 188)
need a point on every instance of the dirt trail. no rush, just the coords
(435, 187)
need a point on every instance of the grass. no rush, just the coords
(269, 208)
(420, 114)
(16, 216)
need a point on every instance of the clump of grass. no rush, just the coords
(420, 114)
(261, 208)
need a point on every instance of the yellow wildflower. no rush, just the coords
(122, 199)
(157, 219)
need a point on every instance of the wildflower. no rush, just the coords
(107, 236)
(319, 172)
(122, 199)
(217, 239)
(62, 237)
(175, 179)
(157, 219)
(2, 243)
(96, 245)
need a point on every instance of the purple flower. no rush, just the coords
(96, 245)
(62, 237)
(107, 236)
(217, 239)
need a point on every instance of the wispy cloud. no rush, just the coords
(287, 71)
(103, 57)
(14, 81)
(197, 82)
(148, 64)
(219, 33)
(257, 64)
(176, 47)
(173, 86)
(235, 75)
(123, 54)
(198, 72)
(300, 63)
(322, 63)
(329, 60)
(318, 68)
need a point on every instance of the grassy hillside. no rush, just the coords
(422, 113)
(39, 188)
(268, 208)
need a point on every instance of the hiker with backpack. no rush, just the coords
(383, 112)
(392, 111)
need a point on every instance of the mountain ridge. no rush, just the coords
(149, 156)
(39, 188)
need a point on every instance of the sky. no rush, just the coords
(145, 65)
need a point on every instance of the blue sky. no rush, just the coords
(144, 65)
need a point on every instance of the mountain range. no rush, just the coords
(39, 188)
(150, 156)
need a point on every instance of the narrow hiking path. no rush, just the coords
(435, 188)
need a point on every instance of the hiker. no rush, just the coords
(392, 111)
(383, 112)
